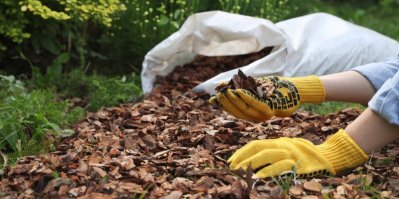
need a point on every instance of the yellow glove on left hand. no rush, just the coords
(272, 157)
(281, 101)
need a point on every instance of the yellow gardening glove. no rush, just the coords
(273, 157)
(284, 100)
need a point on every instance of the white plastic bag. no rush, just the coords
(313, 44)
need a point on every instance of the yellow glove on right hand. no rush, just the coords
(273, 157)
(284, 100)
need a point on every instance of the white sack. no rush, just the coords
(313, 44)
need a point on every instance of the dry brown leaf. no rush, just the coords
(96, 196)
(173, 195)
(340, 191)
(131, 187)
(385, 194)
(394, 183)
(100, 172)
(292, 131)
(56, 183)
(277, 192)
(78, 191)
(310, 197)
(182, 184)
(312, 186)
(296, 190)
(204, 183)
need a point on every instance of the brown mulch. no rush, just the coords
(174, 144)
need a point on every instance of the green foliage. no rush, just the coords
(44, 29)
(100, 11)
(379, 15)
(100, 91)
(82, 10)
(27, 117)
(329, 107)
(274, 10)
(384, 162)
(12, 22)
(145, 23)
(112, 91)
(286, 180)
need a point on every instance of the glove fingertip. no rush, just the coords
(241, 92)
(219, 97)
(213, 100)
(230, 160)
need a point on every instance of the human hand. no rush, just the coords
(277, 97)
(273, 157)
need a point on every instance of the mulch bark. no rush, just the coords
(174, 144)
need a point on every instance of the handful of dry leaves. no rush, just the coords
(261, 87)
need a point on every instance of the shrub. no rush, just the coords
(27, 117)
(44, 29)
(105, 91)
(146, 23)
(103, 33)
(98, 90)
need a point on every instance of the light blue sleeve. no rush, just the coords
(378, 73)
(386, 101)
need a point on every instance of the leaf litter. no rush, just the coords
(174, 144)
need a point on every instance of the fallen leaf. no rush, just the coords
(394, 183)
(78, 191)
(312, 186)
(57, 182)
(96, 196)
(173, 195)
(277, 192)
(309, 197)
(296, 190)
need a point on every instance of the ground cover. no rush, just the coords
(174, 144)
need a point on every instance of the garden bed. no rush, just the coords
(174, 144)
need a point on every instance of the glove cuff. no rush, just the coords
(342, 152)
(310, 88)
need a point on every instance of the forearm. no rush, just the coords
(371, 132)
(349, 86)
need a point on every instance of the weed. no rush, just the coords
(101, 91)
(385, 161)
(55, 174)
(286, 180)
(329, 107)
(27, 117)
(105, 91)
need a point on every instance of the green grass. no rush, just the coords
(29, 118)
(381, 17)
(329, 107)
(99, 90)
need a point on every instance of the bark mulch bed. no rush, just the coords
(174, 144)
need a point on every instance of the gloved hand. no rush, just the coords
(284, 100)
(272, 157)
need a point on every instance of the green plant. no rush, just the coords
(26, 118)
(385, 161)
(329, 107)
(379, 15)
(274, 10)
(99, 90)
(105, 91)
(285, 180)
(46, 29)
(146, 23)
